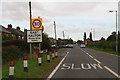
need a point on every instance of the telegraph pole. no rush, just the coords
(63, 38)
(30, 27)
(55, 33)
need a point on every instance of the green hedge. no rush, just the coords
(14, 49)
(104, 45)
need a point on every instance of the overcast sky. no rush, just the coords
(74, 18)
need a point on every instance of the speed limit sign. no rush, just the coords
(37, 24)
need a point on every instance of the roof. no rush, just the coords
(3, 29)
(17, 32)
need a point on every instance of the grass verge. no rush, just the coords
(105, 50)
(34, 70)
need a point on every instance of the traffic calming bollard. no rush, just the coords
(56, 53)
(48, 56)
(11, 69)
(39, 59)
(53, 55)
(25, 64)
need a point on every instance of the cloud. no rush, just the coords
(18, 10)
(66, 9)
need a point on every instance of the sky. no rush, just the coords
(71, 16)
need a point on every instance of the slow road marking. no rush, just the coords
(84, 66)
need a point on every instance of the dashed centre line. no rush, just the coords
(111, 71)
(97, 61)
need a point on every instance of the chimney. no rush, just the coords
(18, 28)
(25, 30)
(9, 26)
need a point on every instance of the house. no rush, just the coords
(4, 31)
(16, 33)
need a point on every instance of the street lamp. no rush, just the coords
(116, 28)
(93, 32)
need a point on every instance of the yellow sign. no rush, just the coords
(37, 24)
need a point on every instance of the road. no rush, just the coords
(86, 63)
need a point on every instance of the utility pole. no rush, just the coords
(39, 43)
(116, 30)
(30, 28)
(93, 32)
(63, 35)
(55, 33)
(63, 38)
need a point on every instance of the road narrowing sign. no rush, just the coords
(34, 36)
(37, 24)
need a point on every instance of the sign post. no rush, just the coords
(37, 25)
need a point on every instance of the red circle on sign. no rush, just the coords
(36, 23)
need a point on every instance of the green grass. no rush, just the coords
(105, 50)
(34, 70)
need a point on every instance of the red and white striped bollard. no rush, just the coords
(53, 55)
(11, 69)
(25, 64)
(48, 56)
(39, 59)
(56, 53)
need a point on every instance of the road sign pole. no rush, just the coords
(30, 29)
(39, 47)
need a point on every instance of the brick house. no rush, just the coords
(15, 33)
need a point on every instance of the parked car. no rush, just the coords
(69, 45)
(82, 46)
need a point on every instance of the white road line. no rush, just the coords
(87, 53)
(54, 71)
(112, 71)
(90, 56)
(97, 61)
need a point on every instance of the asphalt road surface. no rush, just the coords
(86, 63)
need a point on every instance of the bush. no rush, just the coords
(5, 37)
(103, 45)
(10, 53)
(14, 49)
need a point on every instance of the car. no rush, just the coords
(69, 45)
(82, 46)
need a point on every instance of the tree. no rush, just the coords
(46, 44)
(79, 41)
(102, 39)
(84, 36)
(90, 36)
(112, 37)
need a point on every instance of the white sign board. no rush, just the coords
(34, 36)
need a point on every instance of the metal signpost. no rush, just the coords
(35, 32)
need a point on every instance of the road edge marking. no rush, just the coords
(112, 71)
(55, 70)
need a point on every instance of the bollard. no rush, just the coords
(11, 69)
(56, 53)
(48, 56)
(39, 59)
(53, 55)
(25, 64)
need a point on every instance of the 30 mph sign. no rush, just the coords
(37, 24)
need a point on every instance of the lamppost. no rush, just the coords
(116, 28)
(93, 32)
